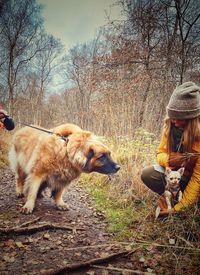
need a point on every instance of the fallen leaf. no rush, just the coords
(149, 270)
(142, 260)
(46, 236)
(19, 244)
(8, 259)
(65, 262)
(78, 254)
(129, 248)
(10, 243)
(172, 241)
(30, 240)
(104, 254)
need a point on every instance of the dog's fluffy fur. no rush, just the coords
(40, 159)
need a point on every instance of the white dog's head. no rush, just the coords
(173, 178)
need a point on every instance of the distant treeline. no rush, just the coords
(120, 81)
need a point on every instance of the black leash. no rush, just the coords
(43, 130)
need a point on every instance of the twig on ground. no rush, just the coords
(130, 271)
(94, 246)
(77, 266)
(33, 229)
(186, 241)
(28, 222)
(161, 245)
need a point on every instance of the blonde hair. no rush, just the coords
(191, 133)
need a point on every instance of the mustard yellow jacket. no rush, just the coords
(192, 190)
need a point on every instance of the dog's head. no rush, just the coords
(88, 154)
(99, 160)
(173, 178)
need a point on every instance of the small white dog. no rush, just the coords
(172, 190)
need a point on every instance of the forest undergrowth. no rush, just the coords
(128, 207)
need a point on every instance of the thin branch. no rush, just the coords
(33, 229)
(129, 271)
(93, 246)
(195, 249)
(29, 222)
(186, 241)
(77, 266)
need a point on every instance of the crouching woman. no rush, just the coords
(179, 146)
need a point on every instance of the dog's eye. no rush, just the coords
(102, 157)
(171, 178)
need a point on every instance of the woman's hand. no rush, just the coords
(165, 212)
(176, 159)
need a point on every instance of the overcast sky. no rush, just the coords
(76, 21)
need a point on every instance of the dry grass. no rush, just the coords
(166, 246)
(5, 139)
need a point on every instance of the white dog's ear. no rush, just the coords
(167, 171)
(181, 170)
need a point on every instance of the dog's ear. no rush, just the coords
(90, 155)
(181, 170)
(167, 171)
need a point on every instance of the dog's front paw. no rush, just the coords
(19, 192)
(62, 206)
(20, 195)
(27, 208)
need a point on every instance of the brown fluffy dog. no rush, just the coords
(40, 159)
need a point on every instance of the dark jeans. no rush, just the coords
(156, 180)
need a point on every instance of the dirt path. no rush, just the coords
(46, 251)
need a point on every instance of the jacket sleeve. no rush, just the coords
(162, 155)
(192, 190)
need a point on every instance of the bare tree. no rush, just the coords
(21, 26)
(188, 14)
(79, 71)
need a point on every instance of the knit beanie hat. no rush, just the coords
(184, 102)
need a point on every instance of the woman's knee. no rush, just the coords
(153, 180)
(147, 173)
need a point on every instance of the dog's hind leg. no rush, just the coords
(16, 168)
(57, 195)
(168, 197)
(31, 188)
(19, 181)
(43, 186)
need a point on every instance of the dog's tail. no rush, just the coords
(12, 156)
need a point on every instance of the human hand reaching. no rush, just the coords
(165, 212)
